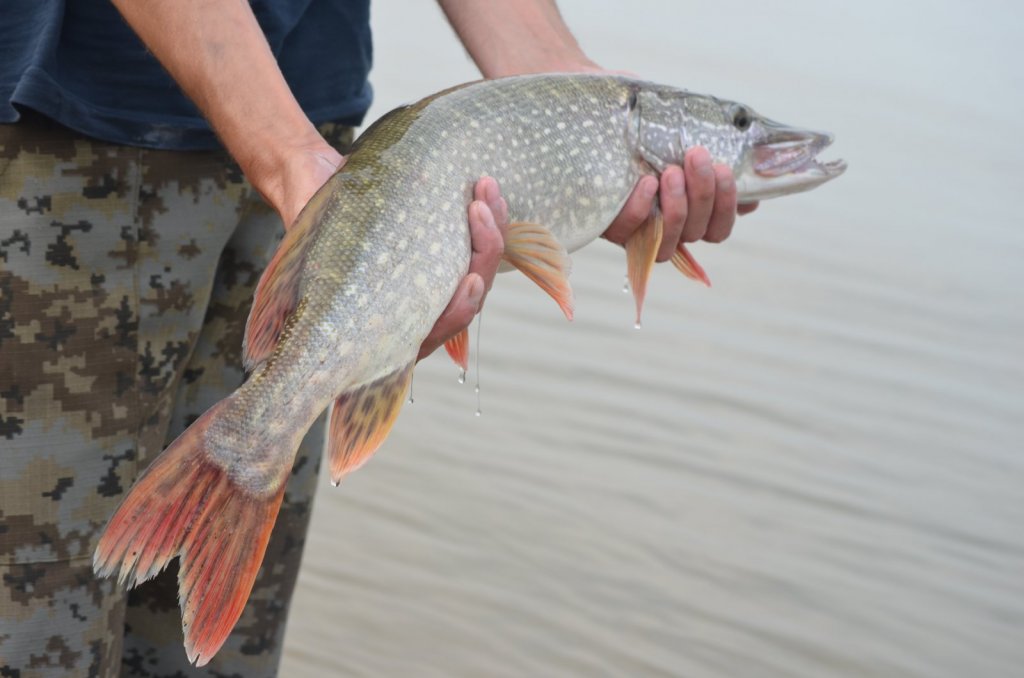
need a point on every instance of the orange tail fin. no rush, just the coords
(186, 505)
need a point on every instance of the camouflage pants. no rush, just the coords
(125, 281)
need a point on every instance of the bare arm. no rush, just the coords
(510, 37)
(217, 53)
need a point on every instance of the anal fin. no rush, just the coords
(641, 253)
(362, 418)
(537, 253)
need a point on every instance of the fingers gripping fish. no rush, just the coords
(371, 263)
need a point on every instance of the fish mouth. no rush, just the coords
(785, 161)
(793, 151)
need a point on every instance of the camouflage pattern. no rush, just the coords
(126, 276)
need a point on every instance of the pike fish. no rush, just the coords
(370, 264)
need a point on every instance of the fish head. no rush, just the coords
(768, 159)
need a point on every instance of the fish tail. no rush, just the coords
(186, 504)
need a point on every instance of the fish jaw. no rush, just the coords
(784, 161)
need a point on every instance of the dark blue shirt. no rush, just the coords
(79, 63)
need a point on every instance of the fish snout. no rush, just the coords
(786, 150)
(783, 161)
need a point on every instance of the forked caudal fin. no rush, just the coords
(186, 505)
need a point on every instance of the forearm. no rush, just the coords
(508, 37)
(217, 53)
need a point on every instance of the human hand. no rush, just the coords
(308, 168)
(698, 201)
(488, 217)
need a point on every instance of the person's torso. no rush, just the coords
(79, 63)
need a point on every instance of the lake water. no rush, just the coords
(815, 468)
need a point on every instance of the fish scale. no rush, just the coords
(372, 262)
(410, 208)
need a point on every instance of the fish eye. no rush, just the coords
(741, 118)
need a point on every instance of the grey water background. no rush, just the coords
(815, 468)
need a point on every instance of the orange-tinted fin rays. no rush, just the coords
(688, 266)
(362, 418)
(278, 290)
(641, 253)
(186, 505)
(458, 348)
(534, 250)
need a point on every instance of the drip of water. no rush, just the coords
(462, 376)
(476, 388)
(625, 284)
(412, 377)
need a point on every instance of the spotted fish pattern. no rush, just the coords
(368, 267)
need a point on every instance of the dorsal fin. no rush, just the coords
(278, 290)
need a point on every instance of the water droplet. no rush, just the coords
(637, 326)
(478, 412)
(476, 388)
(625, 285)
(462, 376)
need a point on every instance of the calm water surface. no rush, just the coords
(815, 468)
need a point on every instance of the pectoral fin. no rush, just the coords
(641, 253)
(688, 266)
(534, 250)
(362, 418)
(458, 348)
